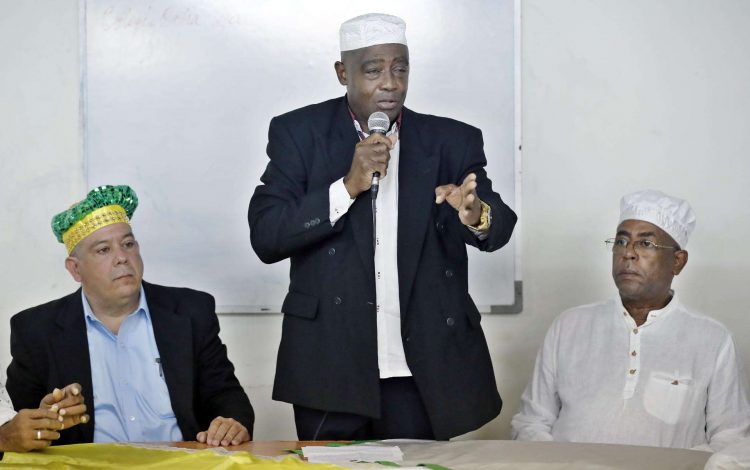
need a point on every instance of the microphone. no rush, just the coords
(377, 122)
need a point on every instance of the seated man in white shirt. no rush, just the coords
(36, 429)
(640, 369)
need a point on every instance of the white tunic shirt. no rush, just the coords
(6, 407)
(675, 381)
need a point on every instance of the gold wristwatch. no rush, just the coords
(485, 219)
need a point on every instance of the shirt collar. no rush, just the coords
(653, 315)
(142, 307)
(363, 135)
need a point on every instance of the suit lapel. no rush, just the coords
(174, 338)
(341, 144)
(418, 174)
(73, 360)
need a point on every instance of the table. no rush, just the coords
(514, 454)
(455, 455)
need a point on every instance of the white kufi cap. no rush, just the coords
(671, 214)
(370, 30)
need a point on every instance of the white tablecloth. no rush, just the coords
(516, 455)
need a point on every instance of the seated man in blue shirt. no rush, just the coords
(151, 355)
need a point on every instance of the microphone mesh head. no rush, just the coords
(378, 122)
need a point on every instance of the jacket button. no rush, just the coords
(316, 220)
(448, 273)
(439, 226)
(332, 251)
(307, 224)
(450, 321)
(337, 300)
(407, 339)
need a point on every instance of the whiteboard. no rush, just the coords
(178, 95)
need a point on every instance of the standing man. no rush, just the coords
(151, 355)
(380, 336)
(640, 369)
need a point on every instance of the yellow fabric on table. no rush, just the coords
(89, 456)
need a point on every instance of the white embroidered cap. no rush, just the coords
(671, 214)
(370, 30)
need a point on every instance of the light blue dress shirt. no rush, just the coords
(131, 400)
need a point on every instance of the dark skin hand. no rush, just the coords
(36, 429)
(462, 198)
(370, 155)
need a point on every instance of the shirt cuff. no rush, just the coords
(6, 415)
(338, 201)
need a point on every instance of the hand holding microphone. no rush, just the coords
(371, 156)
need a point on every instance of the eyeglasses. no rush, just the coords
(642, 247)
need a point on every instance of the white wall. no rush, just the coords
(618, 96)
(40, 155)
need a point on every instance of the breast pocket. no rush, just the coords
(665, 396)
(152, 394)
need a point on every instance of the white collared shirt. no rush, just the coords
(6, 406)
(674, 381)
(391, 355)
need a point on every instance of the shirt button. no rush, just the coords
(450, 321)
(625, 313)
(337, 300)
(634, 354)
(635, 331)
(132, 418)
(632, 371)
(332, 251)
(448, 273)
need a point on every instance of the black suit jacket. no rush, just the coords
(328, 353)
(50, 349)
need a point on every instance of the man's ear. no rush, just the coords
(680, 260)
(71, 264)
(340, 72)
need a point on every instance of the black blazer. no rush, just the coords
(328, 353)
(50, 349)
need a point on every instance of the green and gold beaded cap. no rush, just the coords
(105, 205)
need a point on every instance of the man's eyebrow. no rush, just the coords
(646, 234)
(625, 233)
(100, 242)
(372, 62)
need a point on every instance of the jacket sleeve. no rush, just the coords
(25, 383)
(503, 217)
(219, 391)
(540, 402)
(285, 215)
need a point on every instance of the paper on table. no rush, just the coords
(373, 452)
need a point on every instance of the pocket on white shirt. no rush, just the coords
(665, 396)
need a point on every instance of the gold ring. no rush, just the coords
(38, 434)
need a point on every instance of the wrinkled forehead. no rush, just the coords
(635, 229)
(386, 52)
(109, 233)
